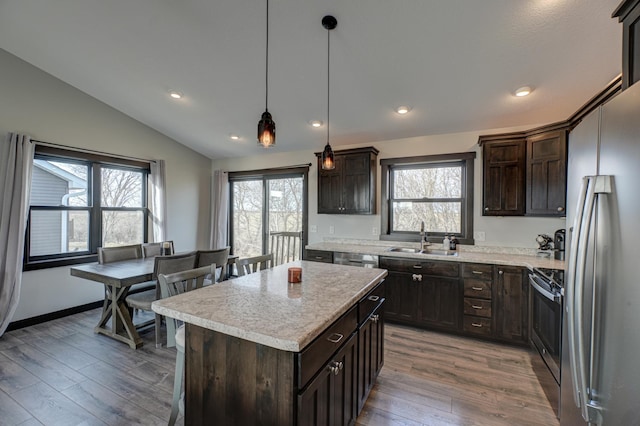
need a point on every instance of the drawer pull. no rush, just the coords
(417, 277)
(374, 298)
(477, 272)
(375, 318)
(319, 257)
(335, 367)
(417, 266)
(477, 288)
(475, 324)
(335, 337)
(476, 307)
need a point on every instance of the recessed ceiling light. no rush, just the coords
(175, 95)
(523, 91)
(403, 109)
(315, 123)
(234, 137)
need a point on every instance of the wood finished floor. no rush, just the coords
(61, 373)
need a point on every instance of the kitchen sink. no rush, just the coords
(438, 252)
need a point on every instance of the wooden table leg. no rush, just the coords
(115, 308)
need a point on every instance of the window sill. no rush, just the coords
(55, 263)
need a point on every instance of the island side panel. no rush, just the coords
(233, 381)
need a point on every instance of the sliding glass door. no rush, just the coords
(263, 203)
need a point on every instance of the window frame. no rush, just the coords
(388, 165)
(95, 163)
(264, 175)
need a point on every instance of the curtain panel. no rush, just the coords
(158, 200)
(219, 209)
(16, 165)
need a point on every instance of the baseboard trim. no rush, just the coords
(53, 315)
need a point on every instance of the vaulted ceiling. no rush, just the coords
(456, 63)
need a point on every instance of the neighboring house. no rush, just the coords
(53, 186)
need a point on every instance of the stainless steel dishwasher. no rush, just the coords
(356, 259)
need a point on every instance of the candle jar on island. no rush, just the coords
(295, 275)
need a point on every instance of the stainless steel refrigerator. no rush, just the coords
(600, 374)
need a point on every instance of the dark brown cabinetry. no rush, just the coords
(478, 294)
(547, 173)
(350, 188)
(370, 350)
(319, 256)
(425, 293)
(628, 12)
(504, 162)
(511, 309)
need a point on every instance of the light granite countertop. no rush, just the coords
(264, 308)
(474, 254)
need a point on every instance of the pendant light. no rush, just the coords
(266, 125)
(328, 163)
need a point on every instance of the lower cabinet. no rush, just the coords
(330, 398)
(370, 354)
(401, 293)
(511, 296)
(439, 302)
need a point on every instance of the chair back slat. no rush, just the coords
(249, 265)
(116, 254)
(286, 246)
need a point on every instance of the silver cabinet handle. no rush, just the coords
(335, 337)
(477, 272)
(319, 257)
(417, 277)
(417, 266)
(335, 367)
(375, 318)
(560, 209)
(500, 272)
(477, 288)
(476, 307)
(486, 209)
(475, 324)
(374, 298)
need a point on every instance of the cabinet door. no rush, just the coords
(330, 188)
(356, 185)
(330, 398)
(400, 297)
(439, 301)
(511, 310)
(370, 354)
(547, 174)
(504, 178)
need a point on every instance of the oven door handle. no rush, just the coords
(554, 297)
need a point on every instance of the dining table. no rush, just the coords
(118, 278)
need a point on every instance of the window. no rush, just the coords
(435, 189)
(80, 202)
(266, 201)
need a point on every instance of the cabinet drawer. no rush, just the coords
(477, 325)
(477, 288)
(319, 256)
(479, 271)
(370, 302)
(417, 266)
(316, 354)
(479, 307)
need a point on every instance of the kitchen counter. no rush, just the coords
(471, 254)
(264, 308)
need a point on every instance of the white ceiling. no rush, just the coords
(455, 62)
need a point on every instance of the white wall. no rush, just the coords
(37, 104)
(499, 231)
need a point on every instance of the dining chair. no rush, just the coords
(118, 253)
(286, 246)
(155, 249)
(162, 265)
(249, 265)
(172, 285)
(217, 256)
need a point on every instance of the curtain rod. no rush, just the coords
(91, 151)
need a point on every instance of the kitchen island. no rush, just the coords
(262, 351)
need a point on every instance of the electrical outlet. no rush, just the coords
(374, 231)
(479, 235)
(313, 228)
(331, 229)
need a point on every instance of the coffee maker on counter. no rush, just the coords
(558, 244)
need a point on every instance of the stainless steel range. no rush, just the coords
(546, 307)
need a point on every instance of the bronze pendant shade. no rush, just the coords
(329, 22)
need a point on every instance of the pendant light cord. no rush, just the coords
(266, 78)
(328, 91)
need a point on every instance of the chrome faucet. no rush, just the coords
(424, 243)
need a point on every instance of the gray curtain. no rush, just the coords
(158, 201)
(219, 209)
(16, 165)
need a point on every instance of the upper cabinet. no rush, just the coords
(547, 173)
(504, 160)
(628, 12)
(350, 188)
